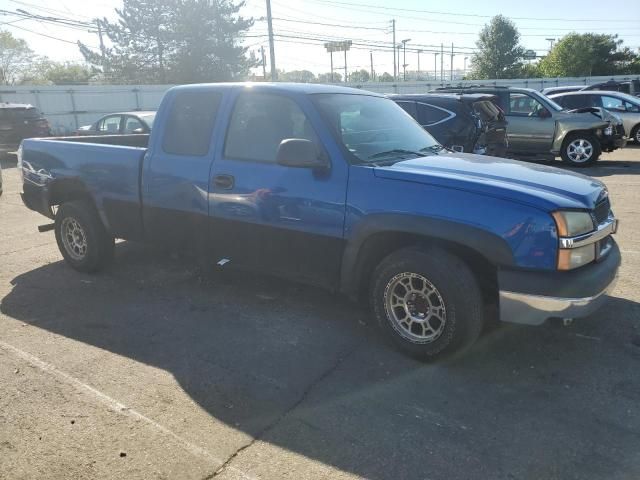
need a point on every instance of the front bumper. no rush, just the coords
(613, 142)
(36, 197)
(531, 298)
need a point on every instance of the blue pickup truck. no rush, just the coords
(339, 188)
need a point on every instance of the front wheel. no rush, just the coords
(82, 239)
(428, 302)
(580, 149)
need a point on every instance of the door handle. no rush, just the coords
(224, 182)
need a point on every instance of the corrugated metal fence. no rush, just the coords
(68, 107)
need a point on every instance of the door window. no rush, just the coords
(190, 123)
(571, 102)
(522, 105)
(261, 121)
(132, 124)
(410, 108)
(430, 115)
(613, 103)
(110, 125)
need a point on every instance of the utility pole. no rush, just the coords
(99, 25)
(419, 52)
(331, 54)
(393, 26)
(435, 66)
(345, 65)
(442, 62)
(465, 66)
(404, 59)
(451, 62)
(399, 46)
(264, 63)
(272, 53)
(371, 74)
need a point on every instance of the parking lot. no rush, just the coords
(154, 369)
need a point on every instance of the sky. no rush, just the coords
(302, 26)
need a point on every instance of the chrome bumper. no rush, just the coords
(529, 309)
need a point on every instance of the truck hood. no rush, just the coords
(538, 185)
(599, 112)
(592, 118)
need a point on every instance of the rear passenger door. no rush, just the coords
(275, 218)
(175, 179)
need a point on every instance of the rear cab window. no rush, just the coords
(190, 122)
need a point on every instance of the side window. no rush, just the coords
(259, 123)
(571, 102)
(631, 107)
(131, 124)
(522, 105)
(409, 107)
(428, 114)
(613, 103)
(110, 124)
(190, 123)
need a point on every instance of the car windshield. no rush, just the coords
(374, 128)
(148, 119)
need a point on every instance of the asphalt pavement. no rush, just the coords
(154, 369)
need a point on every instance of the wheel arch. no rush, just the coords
(376, 238)
(71, 190)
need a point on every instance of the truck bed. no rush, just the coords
(107, 166)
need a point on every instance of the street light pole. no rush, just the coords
(404, 58)
(435, 66)
(419, 52)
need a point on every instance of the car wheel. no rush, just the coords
(580, 149)
(427, 301)
(82, 239)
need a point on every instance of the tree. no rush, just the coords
(174, 41)
(359, 76)
(385, 77)
(327, 78)
(586, 54)
(15, 58)
(499, 52)
(303, 76)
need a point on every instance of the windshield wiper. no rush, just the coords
(396, 151)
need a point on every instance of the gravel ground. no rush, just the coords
(152, 371)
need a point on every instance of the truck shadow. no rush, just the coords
(304, 370)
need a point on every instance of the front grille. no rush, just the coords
(601, 212)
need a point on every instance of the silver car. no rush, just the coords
(626, 106)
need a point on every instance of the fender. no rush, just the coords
(489, 245)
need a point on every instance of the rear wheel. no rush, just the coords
(82, 239)
(427, 301)
(580, 149)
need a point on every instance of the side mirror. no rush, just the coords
(300, 153)
(544, 113)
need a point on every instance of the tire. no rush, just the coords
(82, 239)
(635, 134)
(452, 295)
(580, 149)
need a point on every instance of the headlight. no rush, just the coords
(571, 258)
(608, 131)
(571, 224)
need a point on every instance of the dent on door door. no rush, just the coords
(529, 130)
(275, 218)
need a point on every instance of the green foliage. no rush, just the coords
(577, 55)
(174, 41)
(302, 76)
(15, 59)
(499, 52)
(326, 78)
(360, 76)
(385, 77)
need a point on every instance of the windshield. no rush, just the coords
(372, 128)
(548, 102)
(149, 119)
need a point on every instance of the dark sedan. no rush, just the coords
(19, 121)
(123, 123)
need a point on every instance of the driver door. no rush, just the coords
(531, 126)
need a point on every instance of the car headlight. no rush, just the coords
(571, 224)
(608, 131)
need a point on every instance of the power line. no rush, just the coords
(45, 35)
